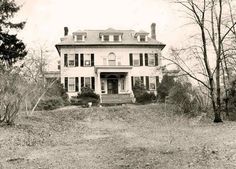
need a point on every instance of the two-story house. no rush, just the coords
(109, 61)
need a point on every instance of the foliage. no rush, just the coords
(50, 103)
(232, 98)
(139, 88)
(145, 98)
(57, 90)
(86, 95)
(11, 48)
(12, 93)
(164, 87)
(185, 98)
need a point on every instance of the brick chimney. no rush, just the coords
(66, 30)
(153, 31)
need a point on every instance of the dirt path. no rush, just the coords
(115, 138)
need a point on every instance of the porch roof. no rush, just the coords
(109, 68)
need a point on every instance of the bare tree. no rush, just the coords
(209, 17)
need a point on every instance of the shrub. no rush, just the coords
(139, 88)
(86, 95)
(57, 90)
(185, 98)
(50, 103)
(146, 98)
(164, 87)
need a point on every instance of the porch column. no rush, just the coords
(98, 83)
(129, 84)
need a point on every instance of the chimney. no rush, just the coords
(153, 31)
(66, 30)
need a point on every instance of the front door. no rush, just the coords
(112, 86)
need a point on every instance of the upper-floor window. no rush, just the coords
(71, 60)
(112, 59)
(106, 37)
(136, 60)
(151, 59)
(79, 37)
(116, 38)
(142, 38)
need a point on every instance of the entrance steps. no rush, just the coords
(116, 98)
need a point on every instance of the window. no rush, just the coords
(136, 61)
(112, 59)
(137, 80)
(152, 83)
(116, 38)
(142, 38)
(87, 82)
(122, 84)
(151, 59)
(103, 86)
(87, 59)
(71, 84)
(79, 37)
(71, 60)
(106, 37)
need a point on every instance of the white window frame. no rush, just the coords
(87, 60)
(90, 84)
(136, 78)
(77, 39)
(118, 38)
(122, 84)
(136, 59)
(71, 84)
(152, 83)
(142, 38)
(112, 60)
(71, 57)
(151, 59)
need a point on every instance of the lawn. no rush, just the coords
(123, 137)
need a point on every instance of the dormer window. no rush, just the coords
(79, 36)
(116, 38)
(142, 38)
(106, 38)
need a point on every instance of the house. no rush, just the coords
(110, 61)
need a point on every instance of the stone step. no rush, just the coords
(116, 99)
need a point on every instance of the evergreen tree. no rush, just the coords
(11, 48)
(164, 88)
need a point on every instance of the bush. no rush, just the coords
(165, 86)
(50, 103)
(86, 95)
(185, 98)
(57, 90)
(146, 98)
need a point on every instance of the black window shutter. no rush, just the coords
(141, 59)
(93, 83)
(131, 59)
(157, 81)
(66, 84)
(81, 59)
(132, 81)
(147, 82)
(156, 59)
(65, 60)
(82, 82)
(92, 59)
(142, 80)
(76, 84)
(76, 60)
(146, 59)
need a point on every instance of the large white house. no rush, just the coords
(109, 61)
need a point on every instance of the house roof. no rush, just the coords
(93, 38)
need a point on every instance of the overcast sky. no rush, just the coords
(46, 19)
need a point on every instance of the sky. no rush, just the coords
(45, 20)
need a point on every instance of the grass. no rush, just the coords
(122, 137)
